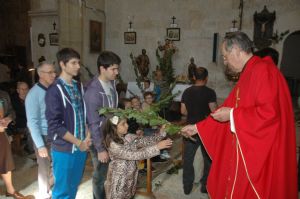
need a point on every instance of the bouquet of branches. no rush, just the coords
(148, 116)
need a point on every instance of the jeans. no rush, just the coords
(99, 175)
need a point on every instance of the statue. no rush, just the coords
(191, 69)
(143, 62)
(263, 28)
(169, 49)
(165, 62)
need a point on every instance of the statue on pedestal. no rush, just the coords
(143, 62)
(191, 69)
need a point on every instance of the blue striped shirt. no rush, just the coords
(77, 103)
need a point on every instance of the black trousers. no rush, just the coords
(190, 149)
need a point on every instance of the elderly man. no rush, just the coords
(37, 124)
(251, 137)
(18, 103)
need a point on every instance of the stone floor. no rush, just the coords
(164, 186)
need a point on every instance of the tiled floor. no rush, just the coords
(165, 186)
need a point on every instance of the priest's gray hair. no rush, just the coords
(240, 39)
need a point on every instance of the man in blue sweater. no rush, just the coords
(101, 92)
(66, 116)
(37, 125)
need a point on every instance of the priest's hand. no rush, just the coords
(189, 130)
(222, 114)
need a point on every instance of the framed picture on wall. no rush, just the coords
(95, 36)
(53, 39)
(129, 37)
(173, 34)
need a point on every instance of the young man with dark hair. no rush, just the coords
(101, 92)
(197, 102)
(65, 113)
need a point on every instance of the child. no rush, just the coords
(124, 151)
(125, 103)
(148, 100)
(136, 103)
(147, 85)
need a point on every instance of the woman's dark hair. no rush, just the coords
(148, 93)
(110, 133)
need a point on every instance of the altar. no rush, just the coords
(179, 88)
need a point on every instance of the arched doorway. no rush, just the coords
(290, 64)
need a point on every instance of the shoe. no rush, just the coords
(17, 195)
(158, 159)
(187, 189)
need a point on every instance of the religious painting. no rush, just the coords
(41, 40)
(263, 28)
(53, 38)
(173, 34)
(95, 36)
(129, 37)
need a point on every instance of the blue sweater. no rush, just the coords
(60, 115)
(35, 113)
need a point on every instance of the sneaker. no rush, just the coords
(165, 155)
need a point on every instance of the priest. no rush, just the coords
(251, 138)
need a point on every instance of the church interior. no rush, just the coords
(33, 31)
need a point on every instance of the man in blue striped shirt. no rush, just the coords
(66, 116)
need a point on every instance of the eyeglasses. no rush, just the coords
(49, 72)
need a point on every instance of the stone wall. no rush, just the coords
(198, 20)
(72, 19)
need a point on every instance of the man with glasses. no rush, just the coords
(251, 138)
(37, 124)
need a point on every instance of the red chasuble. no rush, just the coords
(259, 160)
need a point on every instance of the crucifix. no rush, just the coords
(241, 8)
(130, 24)
(54, 25)
(173, 20)
(233, 23)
